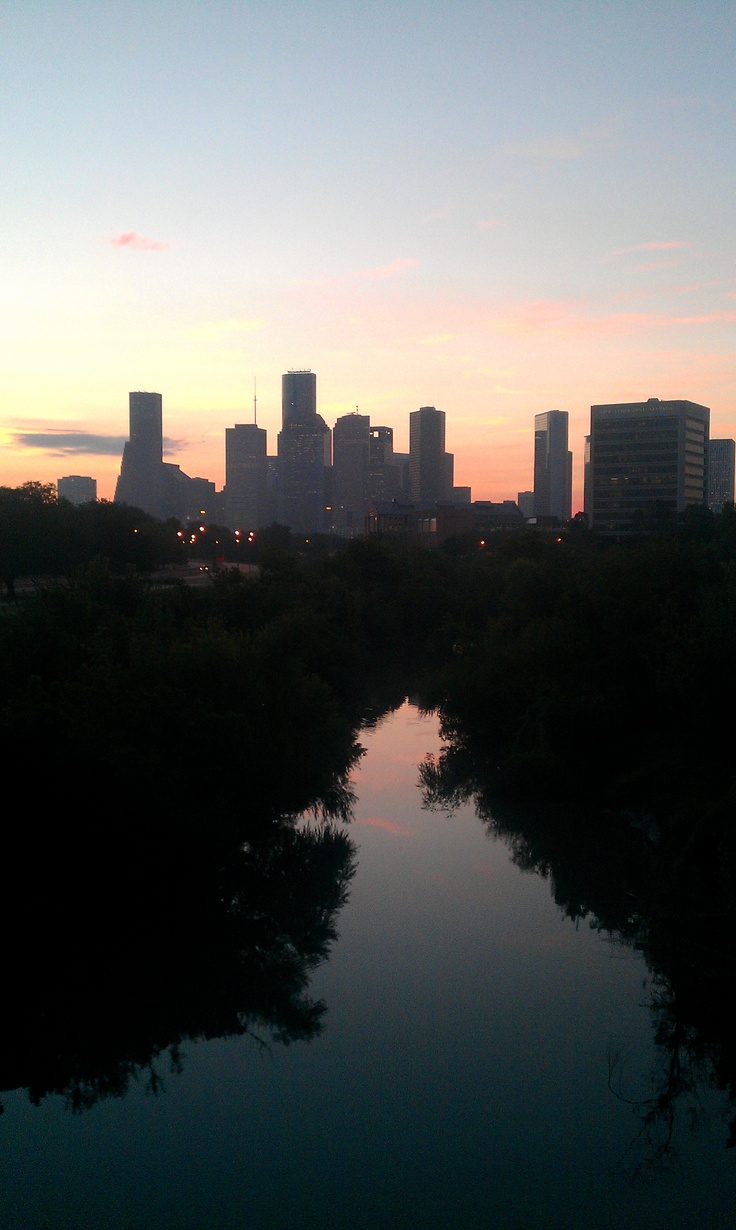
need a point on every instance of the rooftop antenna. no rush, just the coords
(255, 402)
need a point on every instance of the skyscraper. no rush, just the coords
(350, 457)
(246, 477)
(141, 479)
(721, 457)
(384, 466)
(552, 466)
(303, 454)
(298, 398)
(430, 467)
(146, 481)
(648, 460)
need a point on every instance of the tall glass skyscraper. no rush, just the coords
(148, 482)
(298, 398)
(350, 459)
(552, 466)
(303, 455)
(141, 480)
(431, 469)
(246, 477)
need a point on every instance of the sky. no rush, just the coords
(494, 208)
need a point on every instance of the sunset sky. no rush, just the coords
(493, 208)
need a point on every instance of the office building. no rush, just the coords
(430, 467)
(552, 466)
(298, 398)
(587, 497)
(77, 489)
(525, 502)
(304, 453)
(648, 461)
(246, 477)
(350, 461)
(384, 466)
(721, 456)
(146, 481)
(445, 521)
(141, 479)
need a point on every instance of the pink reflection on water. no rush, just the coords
(390, 826)
(397, 745)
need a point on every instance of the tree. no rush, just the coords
(27, 519)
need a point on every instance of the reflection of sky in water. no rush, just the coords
(461, 1082)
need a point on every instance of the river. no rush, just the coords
(484, 1063)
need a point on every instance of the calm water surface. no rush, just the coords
(461, 1081)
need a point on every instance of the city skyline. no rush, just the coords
(577, 460)
(528, 210)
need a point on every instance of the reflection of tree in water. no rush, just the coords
(157, 885)
(618, 872)
(679, 1085)
(95, 999)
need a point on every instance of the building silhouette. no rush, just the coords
(298, 398)
(146, 481)
(552, 466)
(525, 502)
(444, 521)
(246, 477)
(386, 469)
(77, 489)
(721, 457)
(141, 479)
(648, 461)
(304, 453)
(351, 442)
(430, 467)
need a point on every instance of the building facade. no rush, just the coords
(648, 461)
(350, 460)
(77, 489)
(431, 469)
(384, 466)
(146, 481)
(246, 477)
(298, 398)
(552, 466)
(304, 453)
(141, 480)
(721, 458)
(525, 502)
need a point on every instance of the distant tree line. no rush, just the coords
(42, 536)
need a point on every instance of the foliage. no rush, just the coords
(169, 737)
(42, 537)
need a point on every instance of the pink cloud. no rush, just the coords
(139, 243)
(391, 270)
(570, 318)
(587, 141)
(657, 292)
(487, 224)
(654, 246)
